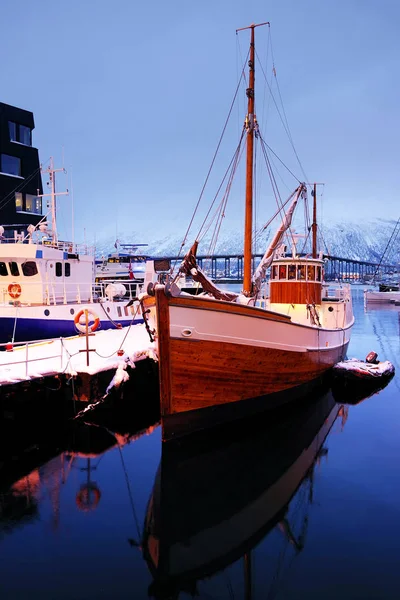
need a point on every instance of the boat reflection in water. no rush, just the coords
(214, 501)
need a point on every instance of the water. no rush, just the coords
(249, 515)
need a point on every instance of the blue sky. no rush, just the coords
(135, 96)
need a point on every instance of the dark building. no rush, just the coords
(20, 175)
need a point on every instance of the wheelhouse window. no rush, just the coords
(12, 129)
(29, 268)
(58, 269)
(282, 271)
(292, 272)
(10, 165)
(3, 269)
(275, 272)
(301, 272)
(310, 272)
(67, 269)
(13, 266)
(318, 273)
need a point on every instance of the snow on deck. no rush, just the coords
(68, 355)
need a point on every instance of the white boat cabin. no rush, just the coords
(45, 272)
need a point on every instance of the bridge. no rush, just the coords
(228, 268)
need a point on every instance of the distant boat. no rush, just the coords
(214, 500)
(222, 354)
(388, 291)
(125, 263)
(47, 286)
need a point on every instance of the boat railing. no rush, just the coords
(63, 292)
(22, 354)
(336, 292)
(65, 246)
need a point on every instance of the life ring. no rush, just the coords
(88, 497)
(14, 289)
(91, 317)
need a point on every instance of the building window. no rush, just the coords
(20, 133)
(29, 268)
(58, 269)
(67, 269)
(13, 269)
(25, 135)
(30, 203)
(12, 128)
(10, 165)
(19, 202)
(3, 269)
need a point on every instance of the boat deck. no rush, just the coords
(108, 350)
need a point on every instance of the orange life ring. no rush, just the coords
(91, 317)
(14, 289)
(88, 497)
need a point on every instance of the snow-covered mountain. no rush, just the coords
(367, 241)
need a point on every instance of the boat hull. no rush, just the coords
(57, 324)
(215, 354)
(383, 297)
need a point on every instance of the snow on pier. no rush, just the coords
(108, 350)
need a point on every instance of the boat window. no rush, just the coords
(13, 266)
(318, 274)
(58, 269)
(301, 272)
(126, 311)
(310, 272)
(67, 269)
(119, 311)
(10, 164)
(3, 269)
(29, 268)
(274, 272)
(282, 271)
(292, 272)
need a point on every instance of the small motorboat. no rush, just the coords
(355, 380)
(371, 368)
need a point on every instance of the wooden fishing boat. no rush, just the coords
(223, 354)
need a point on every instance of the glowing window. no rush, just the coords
(301, 272)
(318, 273)
(275, 272)
(310, 272)
(282, 271)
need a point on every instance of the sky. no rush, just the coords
(132, 96)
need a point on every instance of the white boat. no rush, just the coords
(387, 293)
(47, 285)
(125, 263)
(221, 354)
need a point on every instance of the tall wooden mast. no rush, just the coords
(314, 223)
(249, 124)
